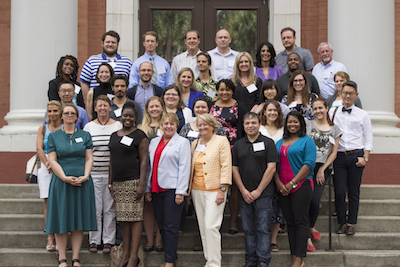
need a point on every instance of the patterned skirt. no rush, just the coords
(128, 209)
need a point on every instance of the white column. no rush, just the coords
(362, 35)
(41, 32)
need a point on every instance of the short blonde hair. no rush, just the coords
(210, 120)
(54, 103)
(172, 117)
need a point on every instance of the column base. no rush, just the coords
(384, 124)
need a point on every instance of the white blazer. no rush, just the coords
(174, 165)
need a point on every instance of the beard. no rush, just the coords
(109, 53)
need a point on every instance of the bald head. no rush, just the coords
(223, 39)
(293, 62)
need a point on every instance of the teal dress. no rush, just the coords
(70, 207)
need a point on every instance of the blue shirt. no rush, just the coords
(83, 118)
(143, 94)
(121, 65)
(163, 72)
(223, 65)
(324, 75)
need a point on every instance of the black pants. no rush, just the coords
(295, 208)
(316, 196)
(347, 178)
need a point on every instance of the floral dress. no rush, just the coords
(229, 119)
(306, 111)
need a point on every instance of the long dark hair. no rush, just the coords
(271, 50)
(74, 74)
(328, 119)
(302, 131)
(279, 120)
(269, 84)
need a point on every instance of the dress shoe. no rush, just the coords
(316, 236)
(250, 265)
(350, 230)
(262, 264)
(342, 229)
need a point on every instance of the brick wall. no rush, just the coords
(91, 26)
(5, 31)
(314, 25)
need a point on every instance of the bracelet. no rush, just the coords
(109, 185)
(293, 184)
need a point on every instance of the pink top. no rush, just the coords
(285, 171)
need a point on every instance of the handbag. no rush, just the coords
(32, 169)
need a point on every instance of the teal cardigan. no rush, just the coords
(302, 152)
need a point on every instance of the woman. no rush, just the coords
(270, 90)
(151, 126)
(272, 127)
(247, 84)
(103, 76)
(229, 113)
(266, 67)
(101, 129)
(326, 137)
(186, 84)
(67, 70)
(299, 97)
(45, 172)
(71, 203)
(168, 182)
(293, 180)
(173, 104)
(190, 130)
(211, 175)
(335, 100)
(127, 182)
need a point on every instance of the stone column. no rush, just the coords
(362, 36)
(41, 32)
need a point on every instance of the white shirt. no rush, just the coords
(223, 65)
(324, 75)
(355, 128)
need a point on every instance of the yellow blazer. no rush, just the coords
(217, 162)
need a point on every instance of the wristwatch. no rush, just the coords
(109, 185)
(366, 159)
(223, 188)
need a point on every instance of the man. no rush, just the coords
(223, 57)
(293, 64)
(144, 89)
(188, 58)
(162, 71)
(120, 64)
(119, 85)
(254, 164)
(353, 153)
(325, 70)
(288, 36)
(66, 91)
(205, 82)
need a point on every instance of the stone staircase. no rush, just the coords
(376, 243)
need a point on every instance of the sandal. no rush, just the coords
(106, 248)
(75, 261)
(93, 248)
(49, 246)
(62, 261)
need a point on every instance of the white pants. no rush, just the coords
(209, 216)
(104, 205)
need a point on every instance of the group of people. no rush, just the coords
(134, 142)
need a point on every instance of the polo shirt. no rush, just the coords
(223, 65)
(120, 64)
(163, 70)
(307, 60)
(253, 163)
(324, 75)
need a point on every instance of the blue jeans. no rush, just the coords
(256, 220)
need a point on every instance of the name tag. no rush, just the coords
(161, 70)
(251, 88)
(200, 148)
(78, 140)
(77, 89)
(112, 64)
(159, 132)
(126, 140)
(326, 74)
(211, 93)
(293, 104)
(231, 63)
(258, 146)
(118, 112)
(110, 96)
(194, 134)
(332, 140)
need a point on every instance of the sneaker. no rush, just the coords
(274, 248)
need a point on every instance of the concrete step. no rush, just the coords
(21, 206)
(19, 191)
(373, 207)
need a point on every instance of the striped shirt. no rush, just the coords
(100, 139)
(120, 64)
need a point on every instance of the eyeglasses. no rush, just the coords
(298, 81)
(66, 91)
(69, 113)
(171, 95)
(146, 70)
(348, 93)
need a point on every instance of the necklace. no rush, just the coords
(102, 125)
(68, 134)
